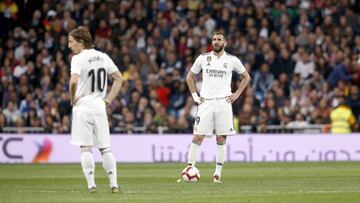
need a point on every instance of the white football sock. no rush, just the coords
(220, 158)
(109, 165)
(193, 154)
(88, 166)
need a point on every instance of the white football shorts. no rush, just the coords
(90, 130)
(214, 116)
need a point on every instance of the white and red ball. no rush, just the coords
(190, 174)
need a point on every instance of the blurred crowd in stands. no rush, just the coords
(303, 57)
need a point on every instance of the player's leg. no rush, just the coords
(109, 165)
(102, 141)
(204, 125)
(88, 166)
(194, 149)
(81, 134)
(220, 156)
(224, 126)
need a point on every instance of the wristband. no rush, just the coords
(196, 97)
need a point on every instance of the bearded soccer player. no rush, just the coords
(215, 102)
(88, 83)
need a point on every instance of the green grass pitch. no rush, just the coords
(326, 182)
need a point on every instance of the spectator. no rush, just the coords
(161, 116)
(245, 115)
(150, 126)
(286, 64)
(12, 113)
(353, 100)
(171, 63)
(20, 69)
(145, 66)
(3, 122)
(177, 99)
(183, 124)
(104, 31)
(25, 105)
(163, 92)
(30, 116)
(9, 11)
(270, 108)
(20, 124)
(304, 66)
(341, 71)
(342, 118)
(299, 122)
(262, 82)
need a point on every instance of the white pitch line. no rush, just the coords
(254, 192)
(269, 192)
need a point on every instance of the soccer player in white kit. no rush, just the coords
(88, 84)
(214, 104)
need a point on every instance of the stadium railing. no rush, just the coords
(164, 129)
(23, 130)
(308, 129)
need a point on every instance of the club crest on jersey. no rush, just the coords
(225, 65)
(208, 60)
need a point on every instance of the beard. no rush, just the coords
(218, 49)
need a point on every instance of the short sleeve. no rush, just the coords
(75, 65)
(238, 66)
(196, 67)
(111, 67)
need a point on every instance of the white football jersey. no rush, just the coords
(216, 73)
(93, 67)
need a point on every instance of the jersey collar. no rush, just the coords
(212, 52)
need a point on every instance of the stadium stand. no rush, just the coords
(302, 56)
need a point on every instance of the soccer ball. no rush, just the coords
(190, 174)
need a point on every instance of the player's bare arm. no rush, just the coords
(115, 88)
(245, 80)
(72, 87)
(190, 80)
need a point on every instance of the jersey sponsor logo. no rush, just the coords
(215, 73)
